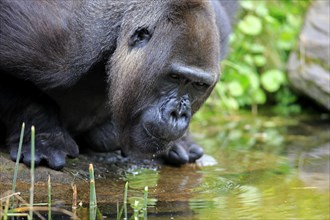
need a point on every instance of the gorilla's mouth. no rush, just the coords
(153, 136)
(158, 126)
(157, 144)
(142, 140)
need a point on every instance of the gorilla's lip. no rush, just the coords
(158, 144)
(148, 133)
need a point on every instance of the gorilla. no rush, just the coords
(108, 74)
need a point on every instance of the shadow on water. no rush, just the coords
(254, 168)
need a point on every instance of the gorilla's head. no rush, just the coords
(164, 67)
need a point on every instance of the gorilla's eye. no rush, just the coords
(140, 38)
(174, 76)
(200, 85)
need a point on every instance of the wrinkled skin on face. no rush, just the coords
(108, 75)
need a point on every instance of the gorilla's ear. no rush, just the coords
(140, 38)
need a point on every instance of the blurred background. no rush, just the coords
(278, 61)
(267, 121)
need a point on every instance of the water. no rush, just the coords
(254, 168)
(260, 168)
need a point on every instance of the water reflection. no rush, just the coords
(255, 168)
(314, 167)
(261, 168)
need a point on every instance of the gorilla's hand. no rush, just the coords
(51, 147)
(183, 151)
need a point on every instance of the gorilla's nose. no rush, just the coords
(176, 114)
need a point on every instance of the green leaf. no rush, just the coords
(286, 39)
(272, 80)
(261, 9)
(270, 19)
(219, 88)
(250, 25)
(231, 103)
(293, 20)
(235, 88)
(259, 97)
(248, 59)
(244, 69)
(247, 4)
(259, 60)
(256, 48)
(253, 80)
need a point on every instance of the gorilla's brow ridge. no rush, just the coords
(193, 73)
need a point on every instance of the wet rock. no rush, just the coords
(309, 66)
(206, 160)
(7, 168)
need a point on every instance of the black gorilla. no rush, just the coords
(116, 74)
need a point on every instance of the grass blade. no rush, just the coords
(125, 200)
(18, 158)
(145, 204)
(49, 199)
(92, 194)
(5, 214)
(32, 171)
(118, 217)
(74, 201)
(120, 212)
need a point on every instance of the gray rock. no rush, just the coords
(309, 67)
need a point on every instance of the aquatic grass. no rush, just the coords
(117, 209)
(36, 210)
(1, 209)
(38, 207)
(49, 198)
(139, 205)
(28, 209)
(145, 204)
(124, 207)
(18, 159)
(25, 206)
(6, 208)
(18, 215)
(30, 215)
(119, 212)
(32, 172)
(125, 200)
(136, 210)
(74, 201)
(92, 194)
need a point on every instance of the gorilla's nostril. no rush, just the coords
(173, 118)
(174, 115)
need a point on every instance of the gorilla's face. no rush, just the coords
(160, 75)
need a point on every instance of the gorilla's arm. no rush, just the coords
(52, 141)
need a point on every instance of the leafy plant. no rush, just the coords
(254, 74)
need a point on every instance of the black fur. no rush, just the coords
(115, 74)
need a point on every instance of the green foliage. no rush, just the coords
(272, 80)
(255, 70)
